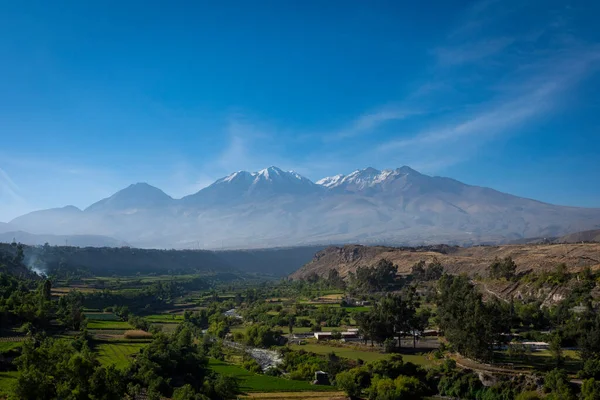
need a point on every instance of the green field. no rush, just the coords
(357, 309)
(101, 316)
(7, 380)
(348, 352)
(541, 360)
(165, 318)
(7, 346)
(114, 325)
(250, 382)
(118, 352)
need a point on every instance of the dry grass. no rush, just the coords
(469, 260)
(137, 334)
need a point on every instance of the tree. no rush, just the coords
(467, 322)
(186, 392)
(420, 323)
(54, 369)
(381, 277)
(555, 347)
(590, 390)
(418, 271)
(353, 381)
(504, 268)
(259, 335)
(70, 310)
(401, 388)
(528, 396)
(393, 316)
(434, 270)
(556, 383)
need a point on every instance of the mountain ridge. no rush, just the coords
(272, 207)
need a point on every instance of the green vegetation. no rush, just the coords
(118, 353)
(250, 382)
(7, 382)
(109, 324)
(171, 335)
(6, 347)
(347, 352)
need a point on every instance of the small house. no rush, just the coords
(323, 335)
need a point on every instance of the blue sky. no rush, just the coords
(97, 95)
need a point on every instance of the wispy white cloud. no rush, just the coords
(8, 188)
(532, 96)
(471, 52)
(11, 201)
(369, 122)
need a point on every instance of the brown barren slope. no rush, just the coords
(456, 260)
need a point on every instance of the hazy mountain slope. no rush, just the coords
(272, 208)
(4, 227)
(60, 240)
(577, 237)
(134, 197)
(52, 221)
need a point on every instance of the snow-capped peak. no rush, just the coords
(330, 181)
(236, 176)
(363, 178)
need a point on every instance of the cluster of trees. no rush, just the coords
(502, 268)
(470, 325)
(302, 365)
(170, 366)
(392, 317)
(29, 303)
(259, 335)
(431, 272)
(382, 277)
(394, 379)
(149, 299)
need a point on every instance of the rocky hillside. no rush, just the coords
(469, 260)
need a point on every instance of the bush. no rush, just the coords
(273, 371)
(253, 366)
(304, 372)
(403, 387)
(345, 382)
(528, 396)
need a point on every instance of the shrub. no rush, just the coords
(253, 366)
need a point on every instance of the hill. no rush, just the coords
(107, 261)
(578, 237)
(456, 260)
(274, 208)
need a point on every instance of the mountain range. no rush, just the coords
(272, 207)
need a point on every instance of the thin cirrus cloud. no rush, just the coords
(369, 122)
(539, 92)
(471, 52)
